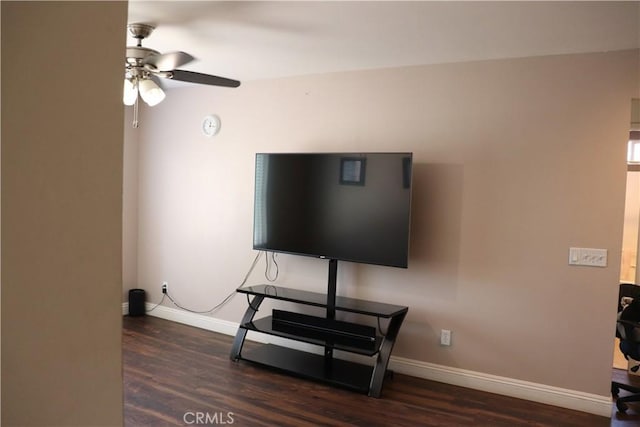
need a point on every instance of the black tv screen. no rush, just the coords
(344, 206)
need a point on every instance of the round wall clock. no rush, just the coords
(211, 125)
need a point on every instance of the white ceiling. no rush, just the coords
(262, 40)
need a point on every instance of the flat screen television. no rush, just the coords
(338, 206)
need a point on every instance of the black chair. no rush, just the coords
(628, 331)
(627, 290)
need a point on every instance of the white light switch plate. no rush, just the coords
(588, 257)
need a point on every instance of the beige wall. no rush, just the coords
(515, 161)
(62, 133)
(130, 207)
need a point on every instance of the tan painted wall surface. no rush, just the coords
(515, 162)
(62, 133)
(130, 207)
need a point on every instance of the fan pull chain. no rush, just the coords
(135, 113)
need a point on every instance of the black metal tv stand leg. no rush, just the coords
(238, 341)
(382, 361)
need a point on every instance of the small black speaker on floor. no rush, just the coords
(136, 302)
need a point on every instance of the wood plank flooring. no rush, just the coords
(177, 375)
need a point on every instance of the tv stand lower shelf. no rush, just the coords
(336, 336)
(342, 373)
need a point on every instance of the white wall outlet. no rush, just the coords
(165, 287)
(445, 337)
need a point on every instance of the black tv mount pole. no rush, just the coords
(331, 307)
(331, 289)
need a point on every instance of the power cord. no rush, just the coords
(211, 310)
(224, 301)
(156, 306)
(267, 268)
(266, 275)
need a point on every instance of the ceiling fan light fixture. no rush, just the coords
(150, 92)
(143, 64)
(130, 93)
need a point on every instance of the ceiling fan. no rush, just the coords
(143, 65)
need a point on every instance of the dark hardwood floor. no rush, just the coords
(177, 375)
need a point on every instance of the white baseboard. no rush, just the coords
(193, 319)
(541, 393)
(564, 398)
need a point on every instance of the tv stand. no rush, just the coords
(325, 332)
